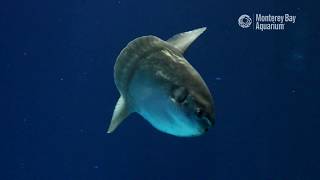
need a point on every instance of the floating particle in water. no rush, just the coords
(82, 131)
(293, 91)
(95, 167)
(61, 79)
(218, 78)
(21, 165)
(8, 66)
(83, 76)
(25, 53)
(297, 55)
(296, 62)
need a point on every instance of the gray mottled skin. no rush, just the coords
(156, 81)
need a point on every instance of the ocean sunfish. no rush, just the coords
(157, 82)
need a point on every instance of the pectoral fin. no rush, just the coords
(183, 40)
(119, 114)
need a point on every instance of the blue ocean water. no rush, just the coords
(58, 92)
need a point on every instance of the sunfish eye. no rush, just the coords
(180, 94)
(200, 113)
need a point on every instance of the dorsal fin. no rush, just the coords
(183, 40)
(119, 114)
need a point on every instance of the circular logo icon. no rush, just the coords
(244, 21)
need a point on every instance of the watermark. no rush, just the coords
(269, 22)
(244, 21)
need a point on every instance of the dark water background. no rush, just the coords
(58, 95)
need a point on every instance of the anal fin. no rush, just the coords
(119, 114)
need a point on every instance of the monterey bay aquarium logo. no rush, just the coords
(268, 22)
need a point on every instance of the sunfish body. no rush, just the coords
(157, 82)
